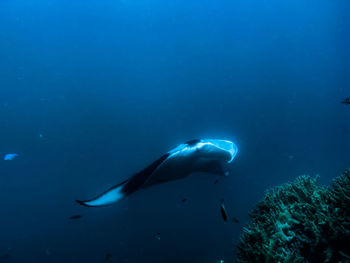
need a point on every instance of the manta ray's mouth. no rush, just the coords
(224, 145)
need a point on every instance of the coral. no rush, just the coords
(300, 222)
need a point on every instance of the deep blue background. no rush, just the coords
(112, 85)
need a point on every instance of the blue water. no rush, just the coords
(92, 91)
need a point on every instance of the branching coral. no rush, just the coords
(300, 222)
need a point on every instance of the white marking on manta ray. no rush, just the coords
(110, 197)
(179, 163)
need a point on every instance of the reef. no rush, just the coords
(300, 222)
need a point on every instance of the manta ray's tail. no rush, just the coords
(108, 197)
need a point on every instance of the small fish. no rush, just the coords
(108, 257)
(346, 101)
(235, 220)
(223, 211)
(216, 181)
(4, 257)
(184, 200)
(10, 156)
(76, 216)
(158, 236)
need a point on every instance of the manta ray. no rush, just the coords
(205, 155)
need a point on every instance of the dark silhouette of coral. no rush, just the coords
(300, 222)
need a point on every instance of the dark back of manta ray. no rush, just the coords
(136, 181)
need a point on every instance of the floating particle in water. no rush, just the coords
(10, 156)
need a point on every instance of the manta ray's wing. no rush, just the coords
(120, 191)
(138, 180)
(109, 196)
